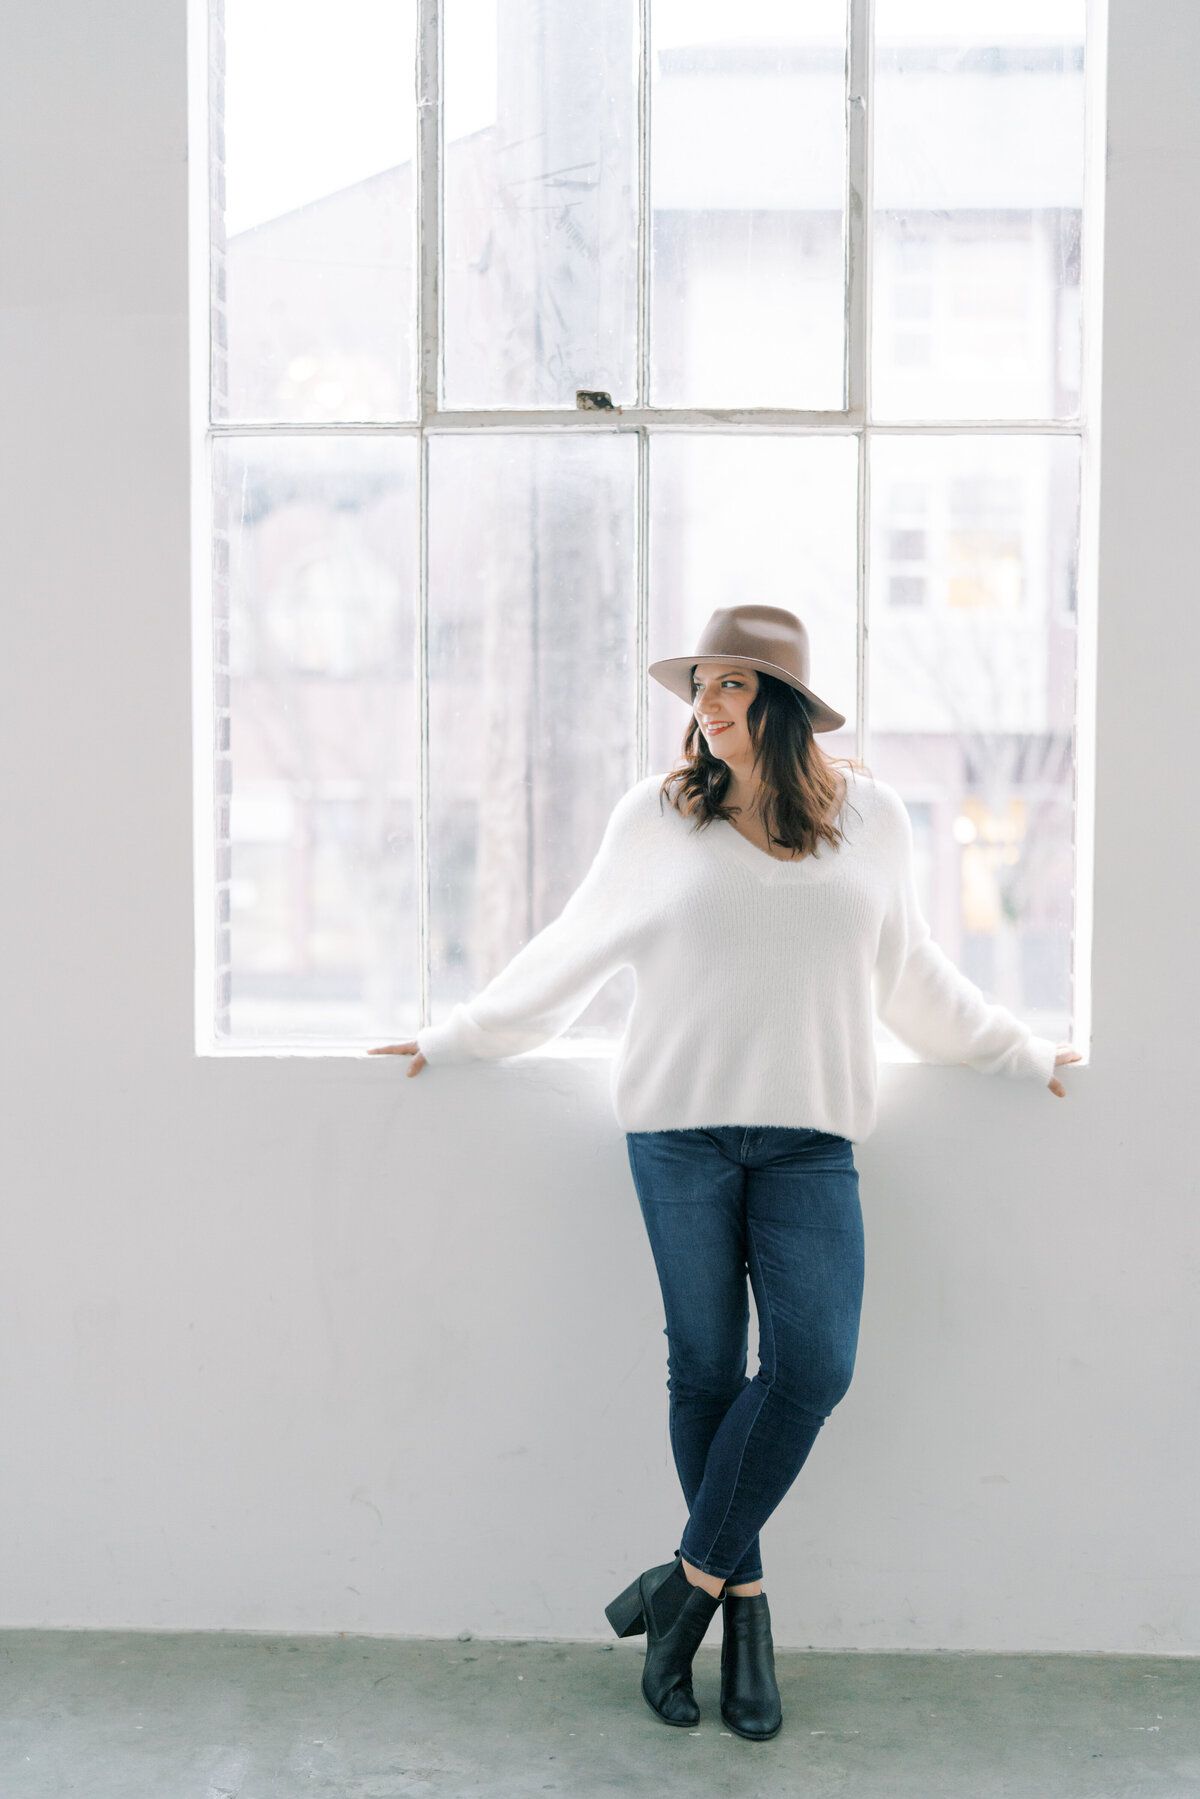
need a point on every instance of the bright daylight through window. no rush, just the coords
(829, 263)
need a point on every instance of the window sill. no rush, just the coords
(562, 1049)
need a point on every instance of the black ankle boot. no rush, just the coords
(749, 1696)
(677, 1616)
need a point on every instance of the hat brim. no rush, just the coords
(675, 674)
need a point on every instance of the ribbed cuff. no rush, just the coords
(457, 1039)
(1037, 1060)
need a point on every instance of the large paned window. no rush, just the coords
(529, 332)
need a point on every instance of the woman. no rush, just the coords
(769, 909)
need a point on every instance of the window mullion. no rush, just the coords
(421, 686)
(1087, 576)
(809, 424)
(429, 334)
(643, 215)
(863, 576)
(642, 597)
(429, 221)
(858, 207)
(858, 319)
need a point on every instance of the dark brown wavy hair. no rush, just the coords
(802, 792)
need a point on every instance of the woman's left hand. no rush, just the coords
(1065, 1054)
(403, 1049)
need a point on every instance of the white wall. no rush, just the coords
(309, 1345)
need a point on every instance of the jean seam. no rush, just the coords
(770, 1323)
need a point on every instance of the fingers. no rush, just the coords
(1057, 1087)
(402, 1049)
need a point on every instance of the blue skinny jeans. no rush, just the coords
(781, 1205)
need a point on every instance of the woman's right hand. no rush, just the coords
(1064, 1053)
(402, 1049)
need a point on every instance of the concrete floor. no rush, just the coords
(234, 1716)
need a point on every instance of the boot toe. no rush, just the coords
(755, 1720)
(676, 1707)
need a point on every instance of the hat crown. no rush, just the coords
(769, 638)
(767, 633)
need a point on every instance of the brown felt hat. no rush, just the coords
(763, 637)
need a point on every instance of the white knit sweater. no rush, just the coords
(755, 977)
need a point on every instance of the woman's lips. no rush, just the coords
(715, 730)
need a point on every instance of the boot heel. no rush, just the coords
(625, 1612)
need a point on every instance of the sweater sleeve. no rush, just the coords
(551, 979)
(930, 1004)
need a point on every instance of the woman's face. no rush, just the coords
(721, 696)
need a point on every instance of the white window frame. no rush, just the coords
(210, 707)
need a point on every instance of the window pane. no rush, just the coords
(540, 186)
(972, 696)
(321, 839)
(532, 691)
(978, 192)
(748, 177)
(770, 519)
(314, 211)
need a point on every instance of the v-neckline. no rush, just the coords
(773, 868)
(790, 860)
